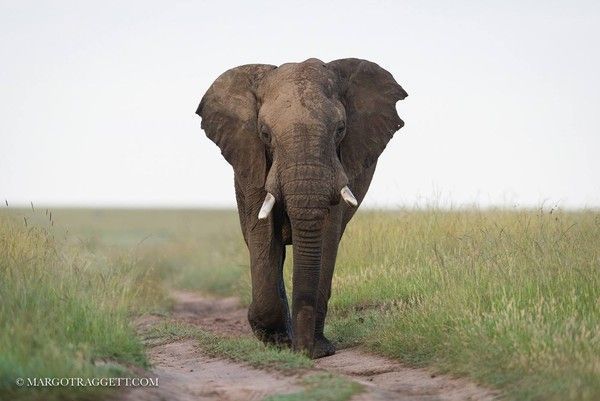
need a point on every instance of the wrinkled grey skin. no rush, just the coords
(301, 131)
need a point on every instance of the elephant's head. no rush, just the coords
(303, 132)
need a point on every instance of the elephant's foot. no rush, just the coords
(272, 336)
(270, 326)
(322, 347)
(276, 338)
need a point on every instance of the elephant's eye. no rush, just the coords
(340, 131)
(265, 135)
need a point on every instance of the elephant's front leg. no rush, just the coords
(331, 238)
(268, 313)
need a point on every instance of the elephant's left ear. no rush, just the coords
(369, 94)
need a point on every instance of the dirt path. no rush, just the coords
(185, 373)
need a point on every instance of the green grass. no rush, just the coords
(510, 299)
(62, 310)
(239, 349)
(322, 387)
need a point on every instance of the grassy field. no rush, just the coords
(65, 311)
(508, 298)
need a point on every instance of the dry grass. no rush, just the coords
(508, 298)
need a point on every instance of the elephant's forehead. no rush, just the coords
(299, 103)
(299, 80)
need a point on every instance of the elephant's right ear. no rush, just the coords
(229, 117)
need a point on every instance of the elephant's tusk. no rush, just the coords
(266, 206)
(348, 196)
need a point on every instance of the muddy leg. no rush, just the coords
(331, 236)
(268, 313)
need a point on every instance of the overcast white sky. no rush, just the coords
(97, 99)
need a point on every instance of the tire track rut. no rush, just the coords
(186, 373)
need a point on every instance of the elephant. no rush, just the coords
(301, 138)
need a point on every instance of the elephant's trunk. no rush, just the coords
(307, 192)
(307, 240)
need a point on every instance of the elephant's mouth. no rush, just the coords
(269, 202)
